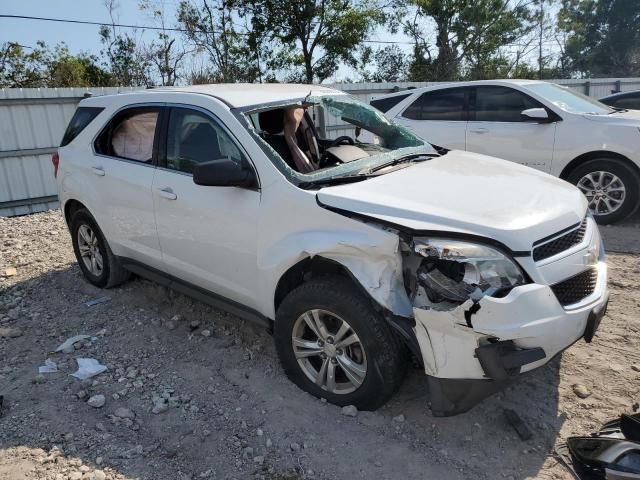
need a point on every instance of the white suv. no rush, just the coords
(480, 268)
(542, 125)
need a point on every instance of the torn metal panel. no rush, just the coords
(373, 260)
(447, 346)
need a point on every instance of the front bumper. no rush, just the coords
(470, 356)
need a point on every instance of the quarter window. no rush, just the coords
(130, 135)
(448, 105)
(193, 138)
(81, 118)
(502, 104)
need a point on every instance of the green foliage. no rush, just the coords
(388, 64)
(45, 67)
(604, 37)
(468, 36)
(210, 28)
(312, 37)
(165, 53)
(128, 63)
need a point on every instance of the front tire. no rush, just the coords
(611, 186)
(334, 345)
(96, 260)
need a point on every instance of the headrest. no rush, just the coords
(272, 121)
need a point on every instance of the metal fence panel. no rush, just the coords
(32, 122)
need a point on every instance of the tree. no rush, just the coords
(128, 61)
(211, 28)
(314, 36)
(165, 53)
(46, 67)
(604, 38)
(389, 64)
(19, 68)
(468, 35)
(62, 69)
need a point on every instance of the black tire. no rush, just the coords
(386, 362)
(112, 273)
(627, 176)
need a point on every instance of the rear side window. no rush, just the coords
(130, 135)
(81, 118)
(628, 101)
(387, 103)
(447, 105)
(502, 104)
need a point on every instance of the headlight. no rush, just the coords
(456, 271)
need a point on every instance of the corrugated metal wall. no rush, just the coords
(33, 120)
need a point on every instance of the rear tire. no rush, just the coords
(374, 348)
(611, 186)
(95, 258)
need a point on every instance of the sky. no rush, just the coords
(84, 38)
(77, 37)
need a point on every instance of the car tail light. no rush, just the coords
(55, 159)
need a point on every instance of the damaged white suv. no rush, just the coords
(356, 254)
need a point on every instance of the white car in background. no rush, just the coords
(539, 124)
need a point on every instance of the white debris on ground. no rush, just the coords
(194, 393)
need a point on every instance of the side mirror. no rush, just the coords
(224, 172)
(539, 114)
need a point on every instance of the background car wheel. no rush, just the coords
(611, 187)
(334, 345)
(98, 264)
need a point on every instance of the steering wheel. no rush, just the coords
(344, 139)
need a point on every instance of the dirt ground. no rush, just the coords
(191, 392)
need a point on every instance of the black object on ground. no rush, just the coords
(518, 425)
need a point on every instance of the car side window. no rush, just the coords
(194, 137)
(130, 135)
(502, 104)
(448, 104)
(629, 101)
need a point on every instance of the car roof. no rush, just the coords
(438, 86)
(238, 95)
(621, 94)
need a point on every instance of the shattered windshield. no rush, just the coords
(332, 137)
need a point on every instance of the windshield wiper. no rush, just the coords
(618, 110)
(325, 182)
(417, 157)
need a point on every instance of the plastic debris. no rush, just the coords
(49, 367)
(97, 301)
(87, 368)
(67, 345)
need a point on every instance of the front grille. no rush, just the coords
(559, 244)
(576, 288)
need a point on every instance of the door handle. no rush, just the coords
(98, 171)
(166, 192)
(479, 131)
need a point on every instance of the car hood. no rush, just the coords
(627, 118)
(466, 193)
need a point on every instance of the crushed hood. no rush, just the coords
(467, 193)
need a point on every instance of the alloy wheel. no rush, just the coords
(329, 352)
(604, 191)
(89, 250)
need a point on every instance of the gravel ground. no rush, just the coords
(191, 392)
